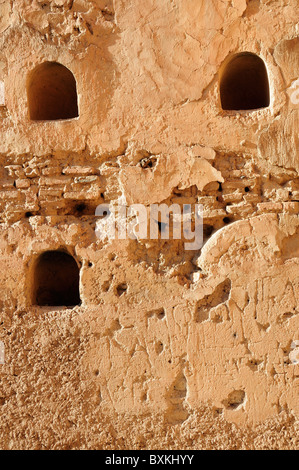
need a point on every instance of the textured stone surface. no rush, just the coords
(170, 348)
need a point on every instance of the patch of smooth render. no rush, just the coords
(153, 185)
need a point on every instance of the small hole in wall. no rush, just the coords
(247, 189)
(121, 289)
(244, 83)
(227, 220)
(148, 162)
(89, 27)
(56, 280)
(208, 230)
(235, 400)
(161, 314)
(52, 93)
(162, 227)
(106, 285)
(28, 214)
(159, 347)
(217, 412)
(80, 207)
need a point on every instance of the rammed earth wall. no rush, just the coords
(164, 348)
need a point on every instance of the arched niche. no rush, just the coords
(244, 83)
(56, 280)
(52, 93)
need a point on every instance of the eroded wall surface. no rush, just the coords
(169, 348)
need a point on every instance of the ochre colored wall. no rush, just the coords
(169, 348)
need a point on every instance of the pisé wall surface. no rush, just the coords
(169, 348)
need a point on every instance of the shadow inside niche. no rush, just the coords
(56, 280)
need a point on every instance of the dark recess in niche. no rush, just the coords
(56, 280)
(52, 93)
(244, 83)
(121, 289)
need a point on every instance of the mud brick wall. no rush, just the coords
(150, 345)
